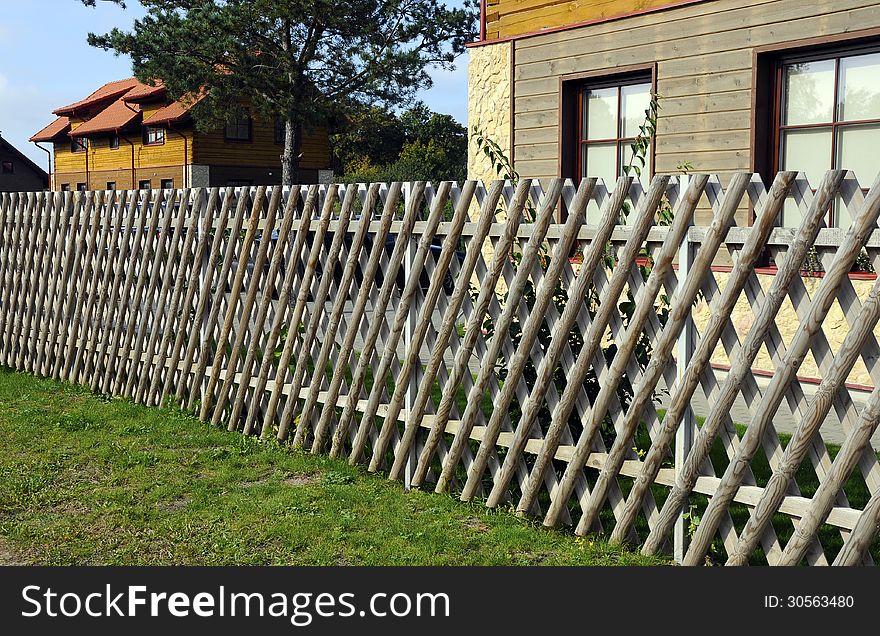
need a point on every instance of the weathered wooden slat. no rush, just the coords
(133, 294)
(592, 339)
(342, 295)
(250, 297)
(401, 316)
(852, 245)
(472, 330)
(412, 361)
(18, 298)
(75, 323)
(359, 309)
(411, 213)
(16, 207)
(206, 333)
(305, 287)
(502, 324)
(37, 281)
(863, 533)
(416, 264)
(64, 207)
(189, 385)
(283, 302)
(178, 314)
(684, 391)
(146, 296)
(238, 401)
(450, 315)
(544, 293)
(799, 445)
(319, 303)
(742, 365)
(178, 262)
(644, 309)
(95, 311)
(129, 249)
(61, 302)
(661, 354)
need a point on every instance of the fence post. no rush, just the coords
(203, 319)
(684, 438)
(411, 321)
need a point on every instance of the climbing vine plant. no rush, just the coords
(503, 167)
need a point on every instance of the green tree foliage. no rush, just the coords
(376, 145)
(305, 61)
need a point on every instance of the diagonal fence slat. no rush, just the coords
(485, 340)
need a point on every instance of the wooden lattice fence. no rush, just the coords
(446, 335)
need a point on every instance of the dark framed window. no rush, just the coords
(154, 136)
(610, 114)
(239, 129)
(111, 185)
(81, 187)
(114, 142)
(600, 117)
(280, 126)
(144, 184)
(79, 144)
(821, 111)
(7, 167)
(65, 187)
(167, 184)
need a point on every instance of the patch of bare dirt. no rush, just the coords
(475, 523)
(302, 479)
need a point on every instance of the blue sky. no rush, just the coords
(45, 63)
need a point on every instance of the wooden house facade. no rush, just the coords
(129, 135)
(17, 172)
(743, 85)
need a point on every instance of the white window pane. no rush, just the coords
(809, 93)
(860, 87)
(806, 151)
(857, 151)
(599, 160)
(635, 100)
(857, 148)
(600, 118)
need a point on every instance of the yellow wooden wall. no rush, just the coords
(167, 160)
(102, 157)
(211, 148)
(507, 18)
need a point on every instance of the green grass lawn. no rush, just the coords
(89, 480)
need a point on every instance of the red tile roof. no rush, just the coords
(143, 92)
(116, 116)
(106, 92)
(173, 112)
(50, 132)
(116, 112)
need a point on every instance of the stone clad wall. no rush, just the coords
(835, 327)
(489, 83)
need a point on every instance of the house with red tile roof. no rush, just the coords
(128, 135)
